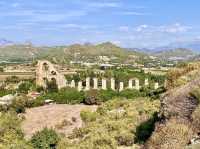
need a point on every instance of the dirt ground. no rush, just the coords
(63, 118)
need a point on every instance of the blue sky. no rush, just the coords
(128, 23)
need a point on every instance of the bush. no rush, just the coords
(88, 116)
(4, 92)
(10, 123)
(45, 139)
(130, 94)
(106, 95)
(25, 87)
(18, 105)
(22, 102)
(35, 103)
(64, 96)
(11, 135)
(154, 94)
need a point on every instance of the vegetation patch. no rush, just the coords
(114, 124)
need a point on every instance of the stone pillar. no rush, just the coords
(121, 86)
(156, 86)
(87, 84)
(146, 82)
(104, 84)
(130, 84)
(80, 86)
(112, 81)
(137, 84)
(95, 81)
(73, 84)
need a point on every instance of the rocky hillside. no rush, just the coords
(178, 123)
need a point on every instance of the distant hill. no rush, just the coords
(4, 42)
(193, 45)
(17, 52)
(65, 53)
(175, 54)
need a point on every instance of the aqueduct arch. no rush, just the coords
(46, 72)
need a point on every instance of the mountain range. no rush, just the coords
(85, 52)
(20, 52)
(4, 42)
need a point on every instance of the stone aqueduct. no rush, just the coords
(46, 71)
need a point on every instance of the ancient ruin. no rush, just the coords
(47, 72)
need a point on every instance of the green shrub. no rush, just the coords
(11, 136)
(106, 95)
(4, 92)
(45, 139)
(19, 105)
(64, 96)
(22, 102)
(10, 123)
(130, 94)
(25, 87)
(154, 94)
(35, 103)
(39, 89)
(88, 116)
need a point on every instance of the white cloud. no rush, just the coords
(141, 28)
(124, 28)
(76, 26)
(175, 28)
(133, 13)
(104, 4)
(44, 16)
(117, 42)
